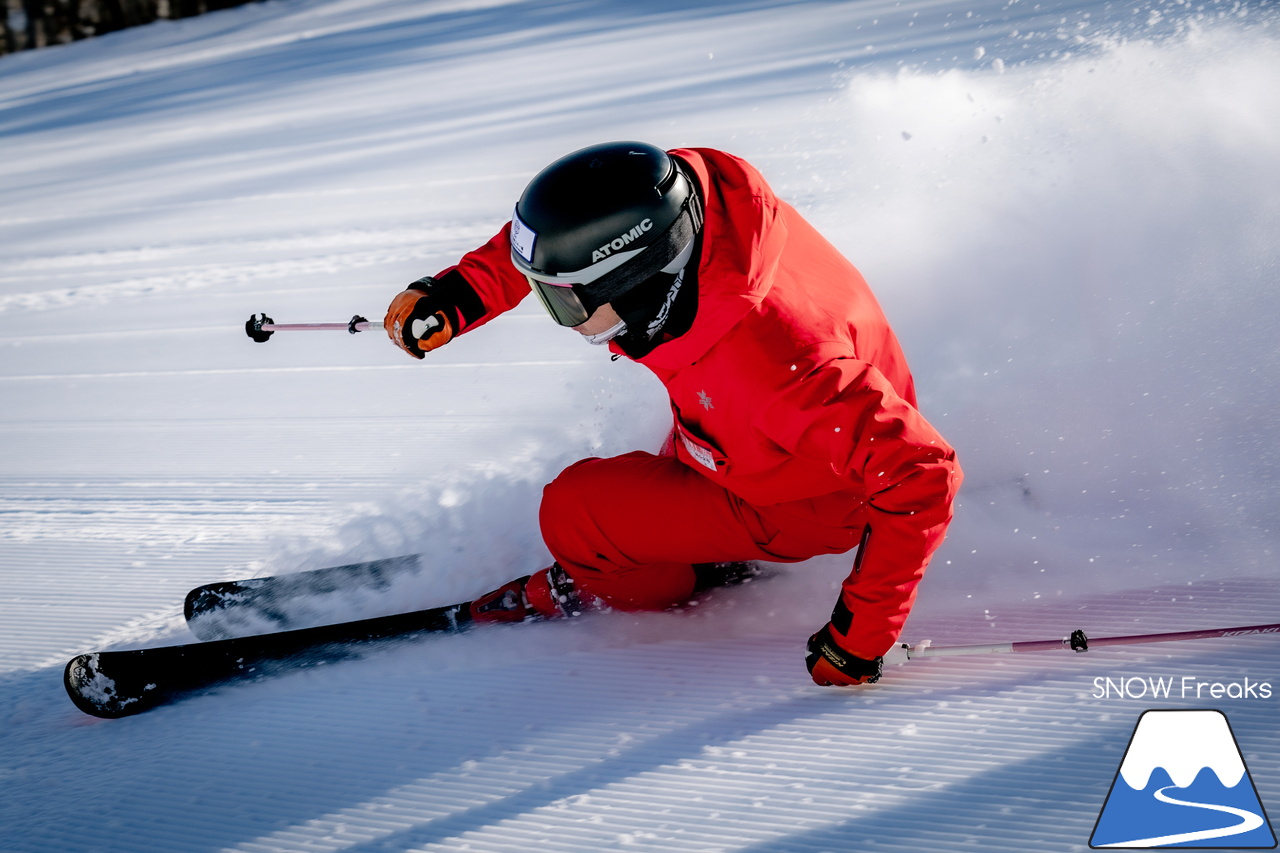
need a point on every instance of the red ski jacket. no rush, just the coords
(791, 391)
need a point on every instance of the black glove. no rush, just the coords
(832, 666)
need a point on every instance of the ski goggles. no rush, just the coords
(561, 301)
(571, 298)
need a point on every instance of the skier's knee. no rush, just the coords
(569, 493)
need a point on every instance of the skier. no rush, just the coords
(796, 431)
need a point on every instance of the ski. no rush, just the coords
(122, 683)
(225, 609)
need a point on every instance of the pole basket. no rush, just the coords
(253, 327)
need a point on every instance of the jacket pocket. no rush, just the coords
(694, 450)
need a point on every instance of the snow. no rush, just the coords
(1068, 209)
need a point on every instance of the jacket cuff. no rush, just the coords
(452, 290)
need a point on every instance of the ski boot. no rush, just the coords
(715, 575)
(548, 594)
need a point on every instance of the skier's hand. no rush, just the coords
(832, 666)
(420, 319)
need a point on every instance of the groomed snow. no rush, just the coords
(1068, 209)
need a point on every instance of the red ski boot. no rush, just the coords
(548, 594)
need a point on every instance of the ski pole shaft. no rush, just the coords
(1186, 635)
(361, 326)
(1078, 642)
(260, 327)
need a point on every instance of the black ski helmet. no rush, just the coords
(598, 222)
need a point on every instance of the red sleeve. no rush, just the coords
(495, 280)
(847, 414)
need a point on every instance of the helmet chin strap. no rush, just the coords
(607, 335)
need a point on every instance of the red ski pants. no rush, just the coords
(629, 529)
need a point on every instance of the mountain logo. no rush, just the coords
(1183, 783)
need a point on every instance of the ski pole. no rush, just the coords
(1077, 642)
(260, 327)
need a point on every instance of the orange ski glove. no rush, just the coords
(832, 666)
(419, 319)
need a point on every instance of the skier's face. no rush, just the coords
(601, 320)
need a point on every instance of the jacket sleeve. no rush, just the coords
(488, 273)
(849, 416)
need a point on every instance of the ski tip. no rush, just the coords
(97, 694)
(216, 597)
(208, 598)
(189, 607)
